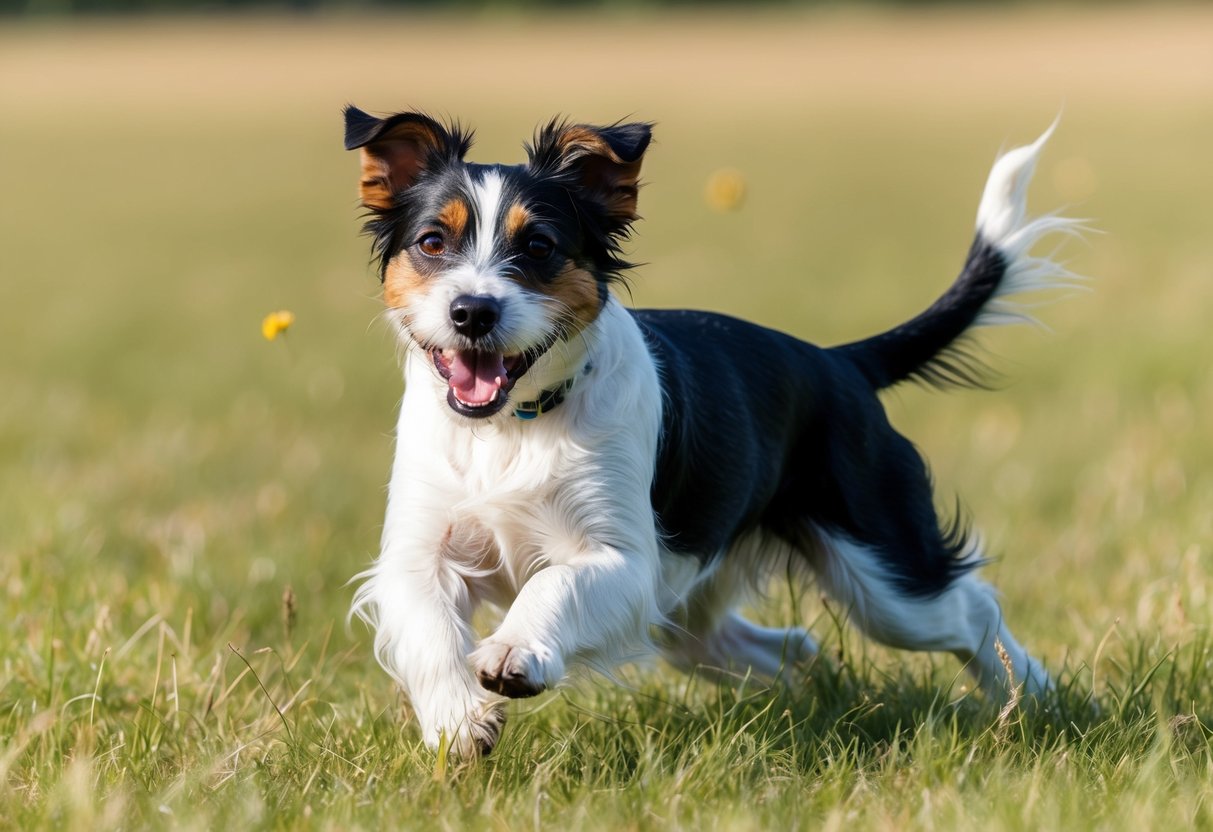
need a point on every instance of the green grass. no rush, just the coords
(166, 474)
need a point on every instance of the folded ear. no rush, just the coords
(395, 150)
(603, 161)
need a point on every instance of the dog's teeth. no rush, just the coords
(499, 382)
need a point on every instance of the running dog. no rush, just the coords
(616, 479)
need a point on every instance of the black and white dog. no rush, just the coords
(616, 479)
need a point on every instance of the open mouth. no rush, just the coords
(479, 382)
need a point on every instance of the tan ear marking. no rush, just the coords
(391, 163)
(395, 150)
(612, 178)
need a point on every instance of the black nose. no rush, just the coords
(474, 316)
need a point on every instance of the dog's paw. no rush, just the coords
(475, 735)
(509, 670)
(482, 734)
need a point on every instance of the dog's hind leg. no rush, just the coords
(734, 646)
(963, 618)
(713, 638)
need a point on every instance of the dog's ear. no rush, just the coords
(603, 161)
(396, 149)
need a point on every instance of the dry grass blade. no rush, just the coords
(270, 699)
(1014, 690)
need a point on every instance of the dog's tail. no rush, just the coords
(932, 347)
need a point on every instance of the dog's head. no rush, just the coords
(490, 268)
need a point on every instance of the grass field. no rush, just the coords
(182, 502)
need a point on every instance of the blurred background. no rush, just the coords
(169, 178)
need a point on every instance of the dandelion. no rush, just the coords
(725, 190)
(276, 323)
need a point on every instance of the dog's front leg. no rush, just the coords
(595, 607)
(421, 608)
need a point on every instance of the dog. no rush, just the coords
(616, 479)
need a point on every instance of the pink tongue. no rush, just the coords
(474, 376)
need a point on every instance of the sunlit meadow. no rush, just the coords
(183, 500)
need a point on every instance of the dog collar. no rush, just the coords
(548, 400)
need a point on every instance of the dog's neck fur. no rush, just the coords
(604, 435)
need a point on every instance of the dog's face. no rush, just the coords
(487, 268)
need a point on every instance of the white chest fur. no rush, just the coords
(551, 517)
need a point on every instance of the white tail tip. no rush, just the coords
(1005, 200)
(1003, 222)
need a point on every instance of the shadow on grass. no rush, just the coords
(856, 718)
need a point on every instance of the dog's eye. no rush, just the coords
(539, 247)
(432, 245)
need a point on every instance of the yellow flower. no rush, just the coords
(725, 190)
(276, 323)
